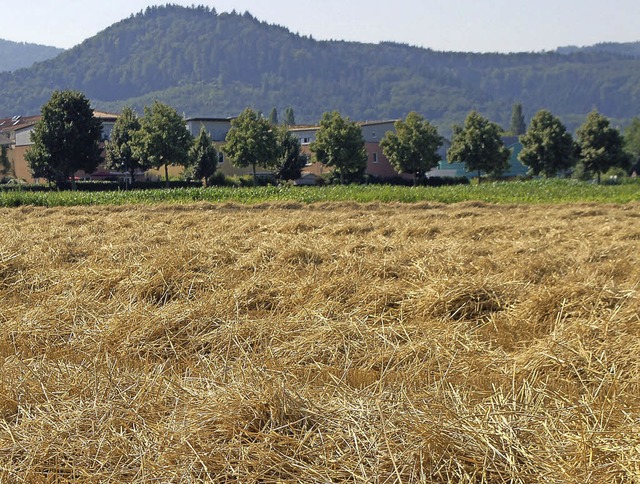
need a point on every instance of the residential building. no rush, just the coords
(372, 132)
(18, 129)
(516, 168)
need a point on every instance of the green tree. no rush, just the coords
(163, 138)
(290, 160)
(289, 117)
(339, 144)
(600, 145)
(273, 116)
(517, 125)
(5, 165)
(632, 140)
(478, 144)
(251, 141)
(413, 148)
(119, 148)
(203, 157)
(66, 139)
(547, 147)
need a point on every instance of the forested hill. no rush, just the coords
(15, 55)
(205, 63)
(624, 49)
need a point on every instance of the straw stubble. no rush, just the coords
(334, 342)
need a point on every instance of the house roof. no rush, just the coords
(104, 116)
(310, 127)
(15, 123)
(207, 118)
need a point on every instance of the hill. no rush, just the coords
(16, 55)
(624, 49)
(205, 63)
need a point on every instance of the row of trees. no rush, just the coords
(67, 139)
(547, 147)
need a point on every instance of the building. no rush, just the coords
(218, 129)
(372, 132)
(516, 168)
(18, 129)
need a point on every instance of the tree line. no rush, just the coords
(67, 139)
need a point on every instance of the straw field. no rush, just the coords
(329, 342)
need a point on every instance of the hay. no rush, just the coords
(329, 343)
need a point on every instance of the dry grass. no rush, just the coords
(330, 343)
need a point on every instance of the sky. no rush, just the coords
(458, 25)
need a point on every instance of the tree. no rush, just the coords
(289, 117)
(547, 147)
(163, 138)
(479, 146)
(339, 144)
(517, 126)
(632, 140)
(66, 139)
(273, 116)
(290, 160)
(5, 164)
(251, 141)
(119, 148)
(600, 145)
(203, 157)
(413, 148)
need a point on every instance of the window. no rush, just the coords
(220, 157)
(305, 141)
(375, 157)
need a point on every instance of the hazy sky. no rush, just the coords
(456, 25)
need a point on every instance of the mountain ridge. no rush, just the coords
(18, 55)
(206, 63)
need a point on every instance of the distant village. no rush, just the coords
(15, 134)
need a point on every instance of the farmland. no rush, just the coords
(539, 191)
(320, 342)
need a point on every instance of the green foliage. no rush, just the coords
(251, 141)
(5, 165)
(600, 145)
(413, 148)
(541, 191)
(203, 158)
(517, 125)
(290, 160)
(632, 140)
(273, 116)
(479, 146)
(339, 144)
(163, 138)
(547, 147)
(230, 61)
(289, 117)
(66, 139)
(119, 148)
(18, 55)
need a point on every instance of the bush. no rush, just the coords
(218, 179)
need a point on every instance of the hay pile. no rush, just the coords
(337, 342)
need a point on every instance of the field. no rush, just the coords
(321, 342)
(539, 191)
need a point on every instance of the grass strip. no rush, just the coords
(525, 192)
